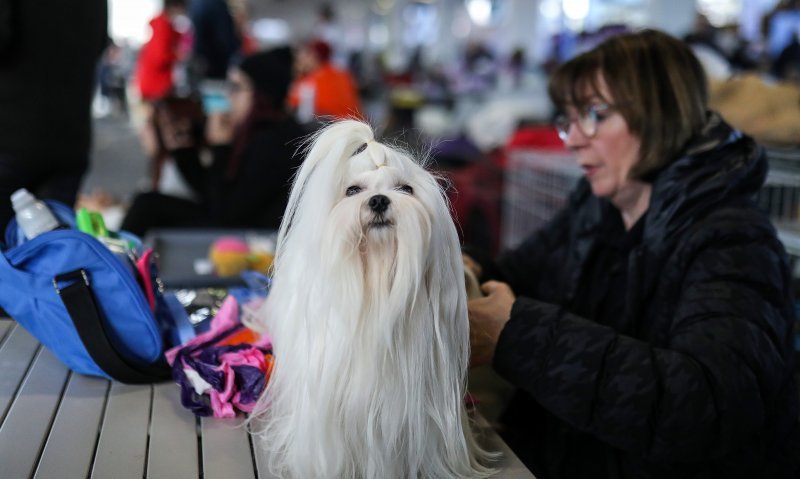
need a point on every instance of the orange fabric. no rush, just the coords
(269, 362)
(244, 336)
(335, 93)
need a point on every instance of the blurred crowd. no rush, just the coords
(178, 92)
(197, 42)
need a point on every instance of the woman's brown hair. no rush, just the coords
(655, 82)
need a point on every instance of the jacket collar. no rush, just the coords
(720, 164)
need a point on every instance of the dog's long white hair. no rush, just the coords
(368, 318)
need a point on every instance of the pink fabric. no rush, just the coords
(220, 401)
(224, 370)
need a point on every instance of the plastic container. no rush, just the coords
(33, 216)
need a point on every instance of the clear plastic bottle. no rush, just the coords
(33, 216)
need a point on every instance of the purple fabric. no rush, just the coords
(249, 381)
(221, 380)
(236, 385)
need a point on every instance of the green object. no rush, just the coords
(91, 222)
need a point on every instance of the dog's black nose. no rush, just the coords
(379, 203)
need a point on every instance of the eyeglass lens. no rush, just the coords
(586, 121)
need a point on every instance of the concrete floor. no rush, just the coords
(119, 165)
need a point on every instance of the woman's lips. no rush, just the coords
(589, 170)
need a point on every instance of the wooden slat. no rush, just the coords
(261, 461)
(16, 354)
(226, 449)
(173, 449)
(5, 325)
(122, 449)
(508, 465)
(69, 451)
(35, 420)
(27, 425)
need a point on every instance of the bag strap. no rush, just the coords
(91, 326)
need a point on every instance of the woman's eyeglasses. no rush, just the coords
(586, 120)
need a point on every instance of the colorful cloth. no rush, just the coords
(224, 370)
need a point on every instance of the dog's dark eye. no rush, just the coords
(406, 189)
(353, 190)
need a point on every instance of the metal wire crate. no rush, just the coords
(536, 186)
(780, 197)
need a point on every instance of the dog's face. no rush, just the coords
(385, 204)
(377, 195)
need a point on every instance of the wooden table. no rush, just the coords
(58, 425)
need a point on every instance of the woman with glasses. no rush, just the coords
(648, 327)
(252, 140)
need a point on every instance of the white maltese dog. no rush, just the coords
(368, 318)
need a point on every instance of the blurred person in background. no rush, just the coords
(157, 58)
(516, 66)
(782, 7)
(648, 327)
(703, 33)
(252, 146)
(154, 74)
(216, 43)
(113, 78)
(328, 29)
(478, 69)
(240, 13)
(48, 56)
(320, 88)
(787, 65)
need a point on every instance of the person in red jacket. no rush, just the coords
(322, 89)
(158, 56)
(153, 75)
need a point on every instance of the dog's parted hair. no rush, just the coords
(369, 325)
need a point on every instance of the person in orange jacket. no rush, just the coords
(322, 89)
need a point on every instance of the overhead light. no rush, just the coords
(271, 31)
(480, 11)
(576, 9)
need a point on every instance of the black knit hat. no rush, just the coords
(270, 72)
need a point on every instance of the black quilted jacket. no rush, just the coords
(696, 378)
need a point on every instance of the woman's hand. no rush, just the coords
(219, 129)
(487, 318)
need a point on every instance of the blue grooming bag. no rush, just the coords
(84, 303)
